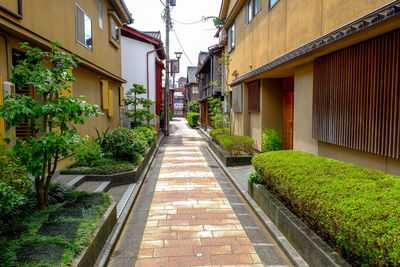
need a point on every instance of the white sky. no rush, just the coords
(194, 38)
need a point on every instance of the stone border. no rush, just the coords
(285, 245)
(119, 226)
(123, 178)
(89, 255)
(227, 160)
(311, 247)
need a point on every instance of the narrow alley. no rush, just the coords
(189, 214)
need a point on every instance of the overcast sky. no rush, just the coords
(193, 37)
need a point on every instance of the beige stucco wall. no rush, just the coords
(360, 158)
(55, 21)
(303, 110)
(289, 25)
(88, 84)
(255, 128)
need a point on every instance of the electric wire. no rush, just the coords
(180, 44)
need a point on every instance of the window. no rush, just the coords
(272, 3)
(83, 28)
(231, 38)
(251, 10)
(101, 14)
(114, 31)
(257, 6)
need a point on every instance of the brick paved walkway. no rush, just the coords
(191, 222)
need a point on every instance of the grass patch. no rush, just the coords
(356, 210)
(55, 236)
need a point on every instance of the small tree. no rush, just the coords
(139, 114)
(50, 116)
(218, 118)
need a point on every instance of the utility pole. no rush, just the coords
(166, 95)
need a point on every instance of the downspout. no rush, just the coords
(7, 59)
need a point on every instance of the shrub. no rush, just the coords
(193, 118)
(124, 143)
(218, 132)
(15, 187)
(147, 132)
(236, 145)
(271, 140)
(193, 106)
(357, 208)
(89, 151)
(255, 178)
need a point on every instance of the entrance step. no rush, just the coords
(103, 187)
(90, 186)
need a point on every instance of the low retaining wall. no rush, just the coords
(89, 256)
(227, 159)
(125, 177)
(309, 245)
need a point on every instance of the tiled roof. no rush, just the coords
(202, 57)
(155, 35)
(191, 74)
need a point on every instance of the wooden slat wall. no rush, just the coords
(357, 94)
(24, 130)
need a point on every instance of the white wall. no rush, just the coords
(134, 54)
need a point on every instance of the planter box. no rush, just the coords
(227, 159)
(309, 245)
(89, 256)
(125, 177)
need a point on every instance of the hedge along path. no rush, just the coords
(358, 208)
(191, 222)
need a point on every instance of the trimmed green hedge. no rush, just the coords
(192, 118)
(356, 208)
(233, 144)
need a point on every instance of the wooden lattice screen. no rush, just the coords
(356, 100)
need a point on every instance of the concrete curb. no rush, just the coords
(93, 250)
(119, 226)
(290, 251)
(313, 249)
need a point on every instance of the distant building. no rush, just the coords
(210, 77)
(179, 97)
(142, 63)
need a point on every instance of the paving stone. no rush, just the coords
(195, 216)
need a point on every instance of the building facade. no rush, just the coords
(142, 63)
(89, 29)
(324, 74)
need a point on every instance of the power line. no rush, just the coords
(203, 19)
(180, 44)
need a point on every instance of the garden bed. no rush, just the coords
(240, 147)
(118, 178)
(353, 209)
(63, 234)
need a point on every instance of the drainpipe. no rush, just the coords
(7, 59)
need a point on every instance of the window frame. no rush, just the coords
(114, 20)
(272, 5)
(101, 16)
(231, 33)
(84, 28)
(251, 10)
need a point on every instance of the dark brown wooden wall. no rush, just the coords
(357, 94)
(254, 96)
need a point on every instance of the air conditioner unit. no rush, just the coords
(223, 37)
(8, 88)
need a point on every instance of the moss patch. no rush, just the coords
(66, 230)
